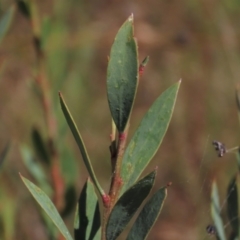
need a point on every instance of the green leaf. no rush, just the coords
(122, 75)
(80, 144)
(148, 216)
(98, 235)
(5, 22)
(96, 224)
(232, 205)
(87, 218)
(127, 205)
(148, 137)
(216, 212)
(48, 207)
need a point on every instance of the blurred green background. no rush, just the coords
(196, 41)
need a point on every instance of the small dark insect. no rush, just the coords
(211, 229)
(219, 147)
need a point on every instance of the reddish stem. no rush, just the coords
(116, 182)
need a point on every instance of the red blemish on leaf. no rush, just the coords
(129, 168)
(106, 200)
(119, 181)
(122, 136)
(111, 136)
(141, 70)
(142, 65)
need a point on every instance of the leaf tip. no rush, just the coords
(130, 19)
(145, 61)
(154, 172)
(61, 99)
(21, 176)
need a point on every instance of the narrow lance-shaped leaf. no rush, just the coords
(48, 207)
(87, 218)
(216, 212)
(148, 216)
(232, 205)
(148, 137)
(80, 144)
(127, 205)
(5, 22)
(122, 75)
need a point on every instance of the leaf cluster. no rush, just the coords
(105, 214)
